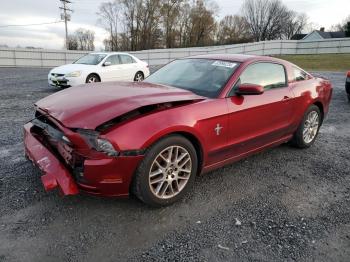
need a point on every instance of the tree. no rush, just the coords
(295, 24)
(170, 12)
(109, 18)
(82, 39)
(202, 24)
(72, 43)
(347, 29)
(266, 18)
(344, 26)
(233, 29)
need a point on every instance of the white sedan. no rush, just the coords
(99, 67)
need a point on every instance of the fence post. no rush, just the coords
(14, 58)
(41, 59)
(263, 48)
(280, 47)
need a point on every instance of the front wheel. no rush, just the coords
(93, 78)
(167, 172)
(308, 129)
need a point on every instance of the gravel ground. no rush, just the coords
(282, 204)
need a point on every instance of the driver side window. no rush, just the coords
(268, 75)
(114, 59)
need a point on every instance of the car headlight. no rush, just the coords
(99, 144)
(105, 146)
(74, 74)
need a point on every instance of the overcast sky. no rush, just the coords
(320, 12)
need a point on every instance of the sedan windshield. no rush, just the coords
(203, 77)
(90, 59)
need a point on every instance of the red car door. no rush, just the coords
(258, 120)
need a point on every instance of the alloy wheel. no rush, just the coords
(311, 125)
(170, 172)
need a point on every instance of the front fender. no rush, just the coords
(146, 130)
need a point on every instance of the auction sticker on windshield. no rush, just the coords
(224, 64)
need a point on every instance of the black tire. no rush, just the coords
(348, 98)
(92, 78)
(141, 185)
(139, 77)
(298, 138)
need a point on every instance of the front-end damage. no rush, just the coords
(71, 163)
(78, 159)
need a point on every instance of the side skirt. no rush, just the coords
(246, 154)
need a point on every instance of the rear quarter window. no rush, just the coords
(299, 75)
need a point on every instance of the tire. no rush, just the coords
(155, 184)
(139, 77)
(348, 98)
(92, 78)
(304, 141)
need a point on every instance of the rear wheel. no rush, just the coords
(308, 129)
(139, 77)
(93, 78)
(167, 172)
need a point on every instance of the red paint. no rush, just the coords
(250, 123)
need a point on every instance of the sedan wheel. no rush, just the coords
(138, 77)
(92, 78)
(167, 171)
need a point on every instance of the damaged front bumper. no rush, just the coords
(55, 173)
(106, 176)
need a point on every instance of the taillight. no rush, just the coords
(348, 74)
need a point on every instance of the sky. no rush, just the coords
(323, 13)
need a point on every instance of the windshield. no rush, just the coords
(203, 77)
(90, 59)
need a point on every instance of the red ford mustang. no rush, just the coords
(191, 116)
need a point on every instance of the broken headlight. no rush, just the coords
(105, 146)
(99, 144)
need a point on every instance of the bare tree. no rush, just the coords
(109, 18)
(202, 24)
(295, 24)
(342, 26)
(170, 11)
(266, 18)
(233, 29)
(82, 39)
(72, 42)
(85, 39)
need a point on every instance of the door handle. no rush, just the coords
(286, 98)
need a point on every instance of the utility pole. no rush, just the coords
(66, 17)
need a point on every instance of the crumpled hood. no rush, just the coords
(91, 105)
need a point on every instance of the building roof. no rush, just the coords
(298, 36)
(328, 35)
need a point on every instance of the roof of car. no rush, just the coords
(236, 57)
(109, 53)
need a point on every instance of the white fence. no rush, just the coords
(49, 58)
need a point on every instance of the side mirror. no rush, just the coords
(107, 63)
(250, 89)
